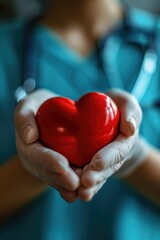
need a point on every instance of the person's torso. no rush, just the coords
(117, 212)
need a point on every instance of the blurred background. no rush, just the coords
(27, 8)
(19, 8)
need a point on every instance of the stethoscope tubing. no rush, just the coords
(107, 60)
(148, 67)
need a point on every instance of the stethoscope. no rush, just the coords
(134, 34)
(107, 60)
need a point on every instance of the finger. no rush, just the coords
(92, 177)
(50, 166)
(68, 196)
(113, 153)
(38, 159)
(87, 176)
(25, 115)
(67, 180)
(131, 113)
(25, 122)
(131, 116)
(87, 194)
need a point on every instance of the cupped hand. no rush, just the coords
(50, 166)
(112, 157)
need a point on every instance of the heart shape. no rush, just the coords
(78, 129)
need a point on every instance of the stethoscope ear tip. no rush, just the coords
(28, 86)
(20, 94)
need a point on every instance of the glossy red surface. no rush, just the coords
(78, 129)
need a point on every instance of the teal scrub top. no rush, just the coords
(117, 212)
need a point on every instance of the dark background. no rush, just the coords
(19, 8)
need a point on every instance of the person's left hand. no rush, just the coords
(126, 148)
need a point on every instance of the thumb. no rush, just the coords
(131, 116)
(131, 113)
(25, 122)
(25, 112)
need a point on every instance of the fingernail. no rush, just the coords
(132, 125)
(98, 164)
(27, 133)
(95, 163)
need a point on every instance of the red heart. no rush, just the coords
(78, 129)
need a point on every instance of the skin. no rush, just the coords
(83, 22)
(36, 161)
(53, 168)
(17, 189)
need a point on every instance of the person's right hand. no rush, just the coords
(50, 166)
